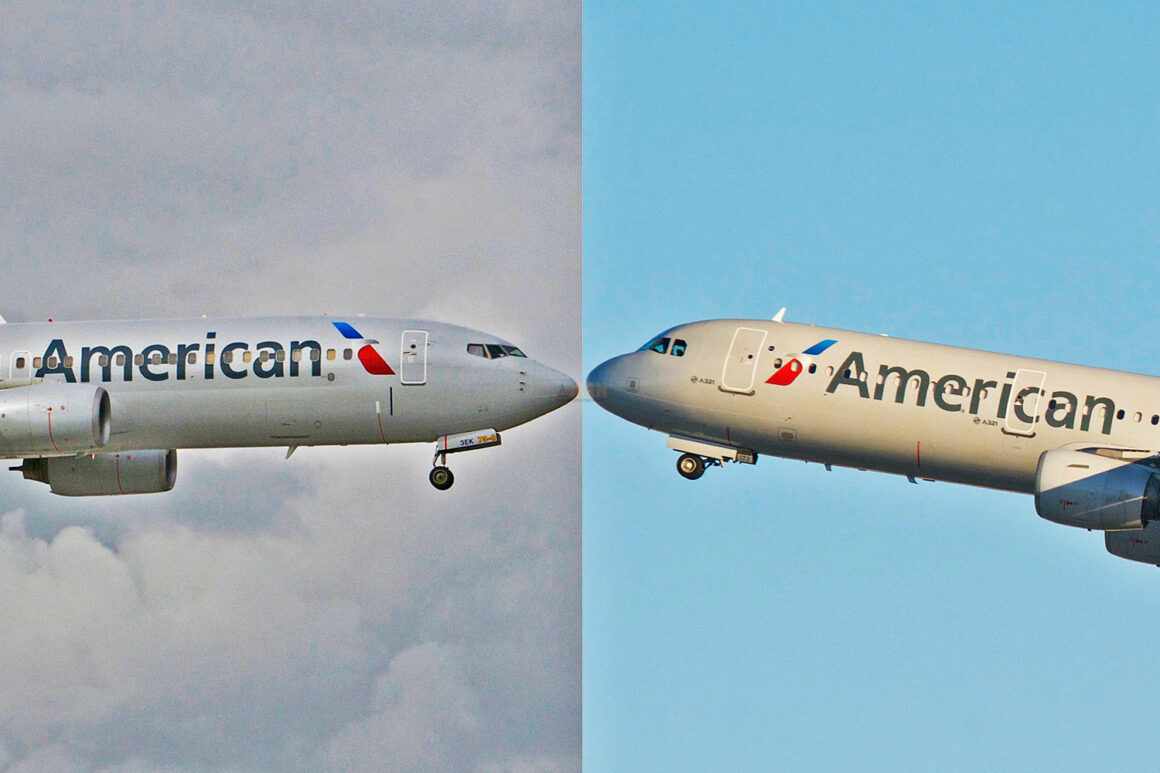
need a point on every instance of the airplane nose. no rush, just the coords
(615, 386)
(609, 382)
(598, 381)
(558, 388)
(569, 389)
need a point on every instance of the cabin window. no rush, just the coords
(173, 358)
(120, 360)
(316, 355)
(1139, 417)
(477, 350)
(813, 367)
(1120, 414)
(247, 356)
(280, 356)
(191, 358)
(21, 363)
(296, 355)
(679, 348)
(52, 362)
(772, 347)
(155, 359)
(264, 356)
(210, 358)
(829, 370)
(777, 363)
(68, 361)
(103, 360)
(138, 360)
(331, 355)
(1155, 421)
(347, 353)
(227, 357)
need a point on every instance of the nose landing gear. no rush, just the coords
(691, 466)
(696, 455)
(440, 475)
(441, 478)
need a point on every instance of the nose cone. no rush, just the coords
(614, 384)
(566, 389)
(599, 381)
(555, 388)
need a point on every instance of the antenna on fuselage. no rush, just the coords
(780, 315)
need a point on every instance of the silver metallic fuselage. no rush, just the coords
(980, 418)
(436, 387)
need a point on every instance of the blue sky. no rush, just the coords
(978, 175)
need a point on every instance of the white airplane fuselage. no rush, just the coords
(277, 381)
(916, 409)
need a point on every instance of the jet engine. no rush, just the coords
(1141, 545)
(130, 472)
(1094, 491)
(53, 419)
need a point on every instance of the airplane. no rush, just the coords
(101, 408)
(1084, 441)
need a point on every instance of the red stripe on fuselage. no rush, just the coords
(373, 362)
(786, 374)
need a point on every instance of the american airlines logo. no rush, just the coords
(951, 391)
(367, 355)
(788, 373)
(233, 360)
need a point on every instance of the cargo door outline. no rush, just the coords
(1032, 402)
(740, 367)
(413, 357)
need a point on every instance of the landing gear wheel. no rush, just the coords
(441, 478)
(691, 466)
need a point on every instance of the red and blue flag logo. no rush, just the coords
(367, 354)
(797, 363)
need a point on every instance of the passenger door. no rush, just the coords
(741, 361)
(413, 357)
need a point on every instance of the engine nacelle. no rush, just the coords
(53, 419)
(129, 472)
(1078, 488)
(1141, 545)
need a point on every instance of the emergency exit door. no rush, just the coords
(741, 363)
(413, 357)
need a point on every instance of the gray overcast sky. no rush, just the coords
(331, 612)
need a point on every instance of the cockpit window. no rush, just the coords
(679, 347)
(494, 351)
(658, 345)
